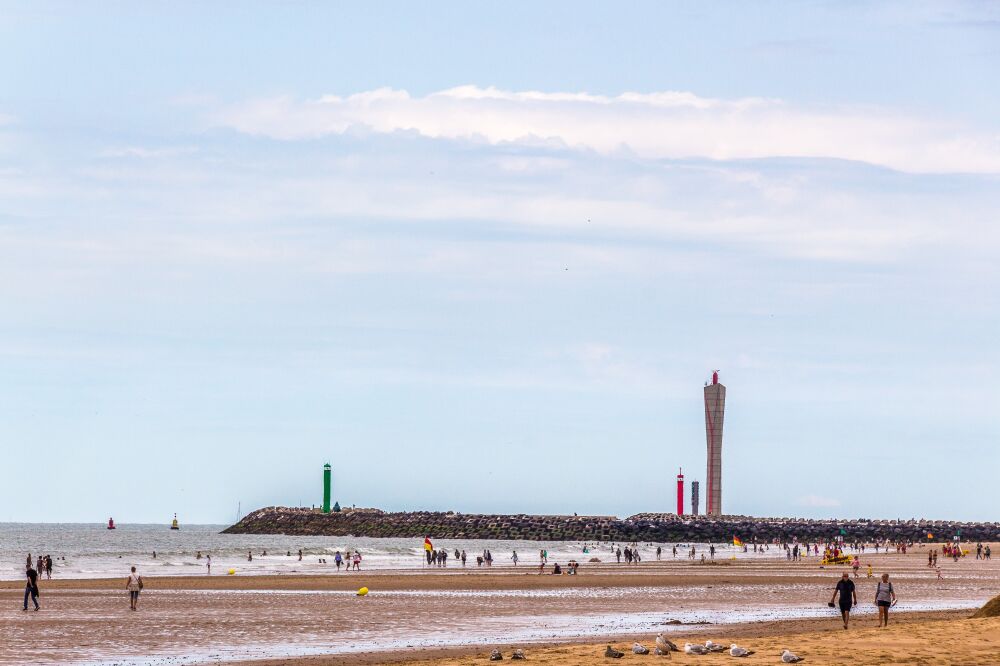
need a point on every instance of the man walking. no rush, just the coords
(31, 587)
(848, 596)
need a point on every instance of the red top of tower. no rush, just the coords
(715, 377)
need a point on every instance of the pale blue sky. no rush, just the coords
(482, 257)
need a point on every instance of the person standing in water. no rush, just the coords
(134, 585)
(208, 563)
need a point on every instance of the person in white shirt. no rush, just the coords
(134, 586)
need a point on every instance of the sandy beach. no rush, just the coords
(452, 616)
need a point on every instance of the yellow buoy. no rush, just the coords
(232, 572)
(363, 591)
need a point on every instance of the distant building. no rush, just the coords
(694, 498)
(715, 413)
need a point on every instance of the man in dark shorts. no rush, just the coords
(848, 596)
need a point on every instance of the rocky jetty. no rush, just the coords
(650, 527)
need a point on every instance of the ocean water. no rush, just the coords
(93, 551)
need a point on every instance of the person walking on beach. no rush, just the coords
(856, 564)
(208, 563)
(848, 597)
(30, 586)
(658, 552)
(357, 561)
(463, 558)
(514, 558)
(134, 585)
(885, 597)
(338, 559)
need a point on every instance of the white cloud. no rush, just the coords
(817, 501)
(651, 125)
(147, 153)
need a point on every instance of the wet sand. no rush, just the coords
(456, 613)
(914, 642)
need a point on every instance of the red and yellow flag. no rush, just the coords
(737, 541)
(930, 536)
(427, 544)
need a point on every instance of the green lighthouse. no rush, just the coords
(326, 488)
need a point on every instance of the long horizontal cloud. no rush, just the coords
(651, 125)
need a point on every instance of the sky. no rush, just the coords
(483, 257)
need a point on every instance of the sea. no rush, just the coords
(80, 550)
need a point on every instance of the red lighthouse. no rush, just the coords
(680, 492)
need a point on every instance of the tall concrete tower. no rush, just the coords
(715, 414)
(694, 497)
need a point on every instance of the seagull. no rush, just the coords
(613, 653)
(518, 654)
(638, 648)
(737, 651)
(714, 647)
(695, 649)
(790, 657)
(665, 645)
(495, 655)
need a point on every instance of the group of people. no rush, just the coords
(630, 554)
(885, 598)
(439, 557)
(43, 565)
(351, 561)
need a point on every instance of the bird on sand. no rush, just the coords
(639, 648)
(613, 653)
(714, 647)
(665, 645)
(695, 649)
(495, 655)
(518, 654)
(790, 657)
(737, 651)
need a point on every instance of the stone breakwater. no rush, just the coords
(649, 527)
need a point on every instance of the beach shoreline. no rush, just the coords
(451, 613)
